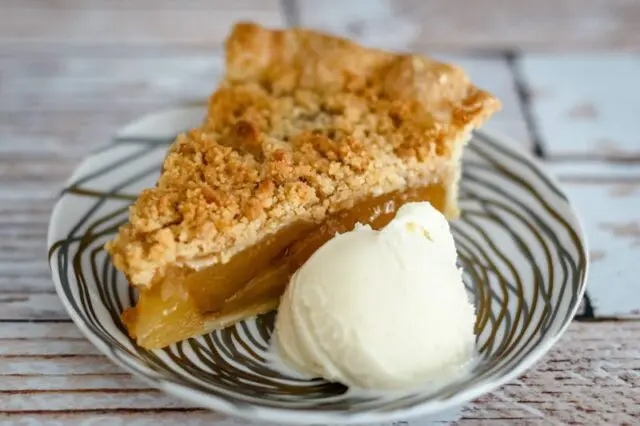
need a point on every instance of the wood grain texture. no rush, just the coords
(547, 25)
(608, 198)
(589, 389)
(122, 417)
(585, 105)
(67, 366)
(84, 399)
(27, 306)
(71, 82)
(24, 272)
(123, 23)
(560, 389)
(55, 137)
(54, 110)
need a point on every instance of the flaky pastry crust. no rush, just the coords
(304, 124)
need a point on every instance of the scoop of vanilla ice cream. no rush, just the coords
(379, 309)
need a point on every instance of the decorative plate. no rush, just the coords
(519, 241)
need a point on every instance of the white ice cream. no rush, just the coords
(379, 309)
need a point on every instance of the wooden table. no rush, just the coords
(74, 71)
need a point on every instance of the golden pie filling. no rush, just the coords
(184, 302)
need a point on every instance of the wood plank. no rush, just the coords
(595, 171)
(607, 199)
(146, 22)
(592, 372)
(36, 347)
(168, 417)
(489, 24)
(59, 366)
(14, 213)
(376, 23)
(53, 82)
(18, 280)
(23, 230)
(585, 105)
(26, 282)
(40, 331)
(35, 171)
(67, 382)
(60, 135)
(42, 152)
(84, 399)
(590, 377)
(28, 306)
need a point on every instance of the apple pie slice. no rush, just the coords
(307, 135)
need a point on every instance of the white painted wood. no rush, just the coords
(487, 24)
(23, 227)
(34, 346)
(83, 399)
(169, 417)
(40, 331)
(70, 82)
(372, 23)
(55, 136)
(122, 23)
(38, 365)
(70, 382)
(595, 171)
(607, 198)
(590, 377)
(190, 417)
(587, 379)
(31, 306)
(586, 105)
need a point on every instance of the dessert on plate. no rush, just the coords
(306, 136)
(380, 309)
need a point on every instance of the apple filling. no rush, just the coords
(184, 302)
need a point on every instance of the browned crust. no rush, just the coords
(303, 124)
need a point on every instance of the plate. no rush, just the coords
(519, 240)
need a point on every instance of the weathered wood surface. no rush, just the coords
(144, 23)
(586, 106)
(53, 368)
(486, 25)
(608, 199)
(73, 72)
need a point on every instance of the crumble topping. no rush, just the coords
(303, 125)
